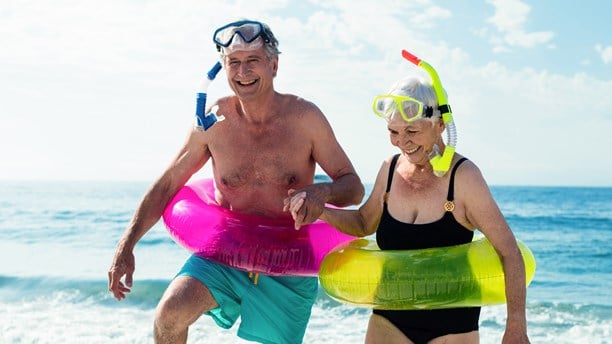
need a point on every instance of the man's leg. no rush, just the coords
(183, 302)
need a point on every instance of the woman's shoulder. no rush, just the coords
(463, 163)
(468, 173)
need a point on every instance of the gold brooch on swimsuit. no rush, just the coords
(449, 205)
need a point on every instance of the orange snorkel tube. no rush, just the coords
(440, 163)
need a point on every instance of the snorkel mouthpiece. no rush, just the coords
(440, 163)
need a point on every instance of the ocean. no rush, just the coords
(57, 240)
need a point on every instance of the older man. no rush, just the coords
(265, 149)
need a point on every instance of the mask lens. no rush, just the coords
(412, 109)
(384, 106)
(248, 31)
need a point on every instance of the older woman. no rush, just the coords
(415, 205)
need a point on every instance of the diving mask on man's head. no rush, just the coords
(409, 108)
(245, 35)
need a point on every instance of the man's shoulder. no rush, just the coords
(296, 103)
(225, 100)
(225, 104)
(292, 98)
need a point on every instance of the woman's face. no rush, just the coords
(415, 139)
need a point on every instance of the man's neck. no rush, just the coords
(258, 110)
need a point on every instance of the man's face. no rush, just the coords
(250, 72)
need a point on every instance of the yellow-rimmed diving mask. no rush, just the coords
(410, 109)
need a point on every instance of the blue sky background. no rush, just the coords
(94, 90)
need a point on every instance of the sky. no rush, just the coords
(105, 90)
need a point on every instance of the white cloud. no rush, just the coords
(529, 126)
(509, 21)
(605, 52)
(428, 17)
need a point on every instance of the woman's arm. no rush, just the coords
(358, 222)
(483, 213)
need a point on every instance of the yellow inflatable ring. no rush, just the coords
(465, 275)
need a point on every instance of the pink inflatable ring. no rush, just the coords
(246, 242)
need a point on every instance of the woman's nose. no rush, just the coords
(402, 140)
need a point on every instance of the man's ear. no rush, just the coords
(274, 65)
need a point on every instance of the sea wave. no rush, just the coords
(145, 294)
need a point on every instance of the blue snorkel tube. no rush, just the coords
(204, 121)
(440, 163)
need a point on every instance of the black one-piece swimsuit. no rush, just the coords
(421, 326)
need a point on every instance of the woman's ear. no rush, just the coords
(440, 125)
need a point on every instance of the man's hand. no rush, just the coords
(305, 206)
(123, 265)
(294, 204)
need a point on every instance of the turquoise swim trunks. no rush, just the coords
(273, 309)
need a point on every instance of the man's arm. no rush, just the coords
(346, 187)
(192, 156)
